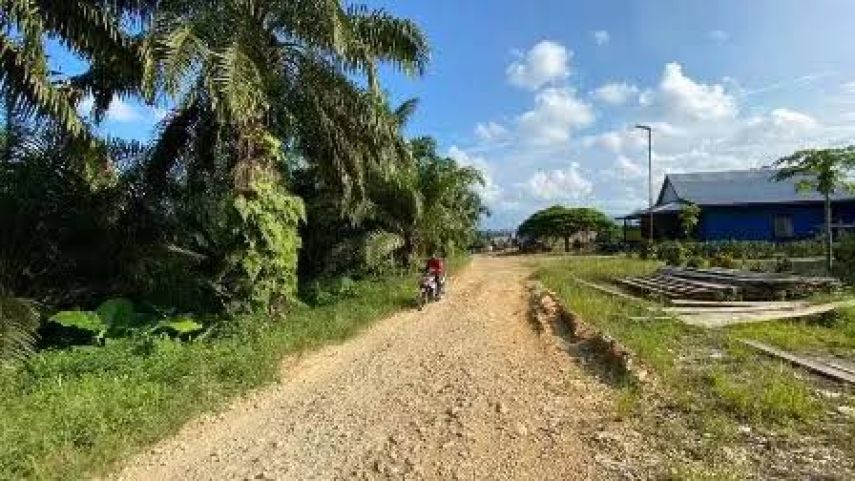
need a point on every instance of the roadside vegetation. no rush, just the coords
(71, 413)
(719, 409)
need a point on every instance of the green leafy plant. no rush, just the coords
(117, 318)
(673, 253)
(690, 216)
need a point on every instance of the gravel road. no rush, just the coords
(465, 389)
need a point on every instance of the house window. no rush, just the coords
(784, 227)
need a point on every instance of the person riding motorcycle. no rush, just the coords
(435, 266)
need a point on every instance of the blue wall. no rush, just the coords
(757, 222)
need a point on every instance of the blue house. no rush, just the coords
(743, 205)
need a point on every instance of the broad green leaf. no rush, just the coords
(85, 320)
(181, 325)
(117, 312)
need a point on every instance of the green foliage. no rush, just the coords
(180, 325)
(826, 171)
(743, 250)
(558, 222)
(261, 274)
(776, 396)
(673, 253)
(84, 320)
(689, 218)
(380, 249)
(116, 318)
(18, 323)
(845, 257)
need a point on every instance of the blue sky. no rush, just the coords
(542, 95)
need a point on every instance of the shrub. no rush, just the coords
(724, 260)
(697, 262)
(783, 264)
(845, 257)
(673, 253)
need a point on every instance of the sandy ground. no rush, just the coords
(465, 389)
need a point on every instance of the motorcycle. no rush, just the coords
(429, 290)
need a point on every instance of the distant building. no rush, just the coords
(742, 205)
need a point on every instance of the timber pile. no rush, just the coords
(718, 284)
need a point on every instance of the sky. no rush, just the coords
(542, 95)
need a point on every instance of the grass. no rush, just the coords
(710, 383)
(69, 414)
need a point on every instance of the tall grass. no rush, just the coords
(68, 414)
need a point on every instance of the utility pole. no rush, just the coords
(649, 131)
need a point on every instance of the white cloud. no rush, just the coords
(615, 93)
(124, 112)
(559, 185)
(490, 192)
(645, 98)
(121, 111)
(719, 36)
(790, 120)
(557, 113)
(627, 168)
(490, 131)
(602, 37)
(848, 87)
(546, 63)
(683, 96)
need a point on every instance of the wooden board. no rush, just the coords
(811, 365)
(767, 304)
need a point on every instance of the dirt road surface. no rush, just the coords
(465, 389)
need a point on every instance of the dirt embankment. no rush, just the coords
(465, 389)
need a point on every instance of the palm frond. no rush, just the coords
(18, 323)
(32, 89)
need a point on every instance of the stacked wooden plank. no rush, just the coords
(717, 284)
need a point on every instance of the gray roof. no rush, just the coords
(670, 207)
(756, 186)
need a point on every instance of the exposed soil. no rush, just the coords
(465, 389)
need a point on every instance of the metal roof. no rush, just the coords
(756, 186)
(670, 207)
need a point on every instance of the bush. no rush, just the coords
(673, 253)
(845, 257)
(697, 262)
(723, 260)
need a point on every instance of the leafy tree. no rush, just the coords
(563, 223)
(822, 170)
(689, 218)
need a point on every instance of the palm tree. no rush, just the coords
(276, 69)
(18, 323)
(452, 207)
(822, 170)
(91, 29)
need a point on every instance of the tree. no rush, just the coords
(689, 218)
(563, 222)
(91, 29)
(825, 171)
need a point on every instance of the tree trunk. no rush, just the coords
(829, 240)
(566, 243)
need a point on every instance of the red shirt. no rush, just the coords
(435, 265)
